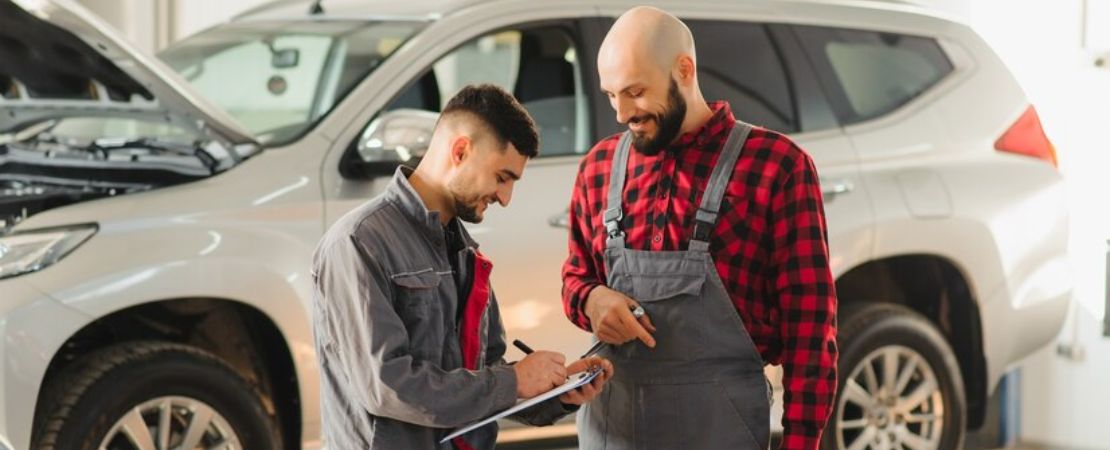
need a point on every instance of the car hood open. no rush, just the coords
(59, 60)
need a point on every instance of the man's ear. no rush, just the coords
(684, 70)
(461, 147)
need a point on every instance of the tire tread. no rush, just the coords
(61, 398)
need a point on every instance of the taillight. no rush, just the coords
(1026, 137)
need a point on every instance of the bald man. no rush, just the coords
(716, 229)
(408, 333)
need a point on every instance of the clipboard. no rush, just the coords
(583, 379)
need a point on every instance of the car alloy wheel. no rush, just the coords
(171, 422)
(891, 400)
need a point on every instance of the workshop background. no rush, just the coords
(1060, 52)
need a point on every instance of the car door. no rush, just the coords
(848, 210)
(547, 66)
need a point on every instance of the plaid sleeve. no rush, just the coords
(807, 298)
(580, 272)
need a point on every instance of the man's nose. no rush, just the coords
(625, 109)
(504, 194)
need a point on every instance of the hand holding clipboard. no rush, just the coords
(580, 387)
(576, 381)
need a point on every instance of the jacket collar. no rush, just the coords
(401, 193)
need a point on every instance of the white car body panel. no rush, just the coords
(196, 241)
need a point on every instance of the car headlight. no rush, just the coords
(28, 251)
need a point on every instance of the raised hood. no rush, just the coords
(57, 59)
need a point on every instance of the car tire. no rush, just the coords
(109, 397)
(924, 401)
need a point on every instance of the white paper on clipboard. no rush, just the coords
(582, 379)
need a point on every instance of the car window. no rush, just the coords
(739, 62)
(278, 79)
(539, 65)
(273, 98)
(872, 73)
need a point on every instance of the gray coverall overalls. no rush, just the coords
(702, 386)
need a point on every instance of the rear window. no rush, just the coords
(868, 73)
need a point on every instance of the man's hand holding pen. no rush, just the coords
(538, 372)
(541, 371)
(611, 314)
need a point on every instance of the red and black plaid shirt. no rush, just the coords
(769, 247)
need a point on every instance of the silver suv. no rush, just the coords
(159, 215)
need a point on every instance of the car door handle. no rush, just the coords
(830, 189)
(560, 220)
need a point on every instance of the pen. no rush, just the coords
(523, 347)
(637, 312)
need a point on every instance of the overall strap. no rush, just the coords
(706, 218)
(614, 211)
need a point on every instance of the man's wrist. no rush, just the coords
(587, 296)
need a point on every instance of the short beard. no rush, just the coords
(669, 123)
(466, 213)
(463, 210)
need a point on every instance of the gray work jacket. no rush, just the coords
(384, 323)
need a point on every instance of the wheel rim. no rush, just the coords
(891, 400)
(171, 423)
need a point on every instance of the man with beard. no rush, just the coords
(716, 229)
(407, 331)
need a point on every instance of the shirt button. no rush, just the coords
(657, 239)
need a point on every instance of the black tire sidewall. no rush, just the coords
(870, 328)
(168, 373)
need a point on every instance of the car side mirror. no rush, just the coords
(395, 137)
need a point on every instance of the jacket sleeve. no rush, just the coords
(545, 413)
(367, 343)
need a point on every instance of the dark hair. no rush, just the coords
(500, 112)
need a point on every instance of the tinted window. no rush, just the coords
(739, 62)
(869, 73)
(540, 66)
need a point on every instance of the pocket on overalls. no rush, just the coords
(647, 288)
(671, 301)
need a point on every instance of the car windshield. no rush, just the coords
(279, 78)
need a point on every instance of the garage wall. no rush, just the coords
(153, 24)
(135, 19)
(191, 16)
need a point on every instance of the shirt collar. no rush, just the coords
(402, 194)
(717, 125)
